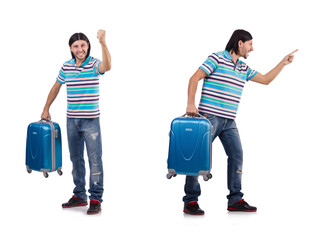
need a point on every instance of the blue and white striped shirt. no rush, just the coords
(82, 87)
(223, 85)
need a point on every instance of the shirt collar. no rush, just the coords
(228, 56)
(73, 61)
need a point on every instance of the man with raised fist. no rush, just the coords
(81, 76)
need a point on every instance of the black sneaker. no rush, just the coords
(193, 208)
(95, 207)
(74, 202)
(241, 206)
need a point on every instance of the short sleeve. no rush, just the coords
(211, 63)
(61, 76)
(250, 73)
(96, 66)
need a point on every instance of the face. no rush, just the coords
(245, 48)
(79, 49)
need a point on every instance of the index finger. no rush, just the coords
(294, 52)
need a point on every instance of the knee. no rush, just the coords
(236, 154)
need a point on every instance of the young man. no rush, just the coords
(81, 76)
(224, 78)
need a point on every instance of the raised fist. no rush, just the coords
(101, 36)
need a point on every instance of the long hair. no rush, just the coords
(233, 43)
(79, 36)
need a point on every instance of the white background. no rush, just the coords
(156, 46)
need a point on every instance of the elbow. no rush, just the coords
(266, 81)
(106, 67)
(194, 80)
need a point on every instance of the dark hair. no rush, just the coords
(79, 36)
(233, 43)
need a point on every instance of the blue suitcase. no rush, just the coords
(190, 147)
(43, 148)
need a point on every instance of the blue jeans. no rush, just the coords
(227, 131)
(86, 131)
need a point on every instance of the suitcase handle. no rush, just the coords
(193, 116)
(45, 120)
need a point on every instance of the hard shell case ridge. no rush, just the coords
(43, 148)
(190, 147)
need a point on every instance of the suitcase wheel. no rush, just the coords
(29, 170)
(207, 176)
(170, 175)
(45, 174)
(59, 172)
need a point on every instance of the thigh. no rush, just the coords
(231, 140)
(217, 124)
(92, 136)
(75, 138)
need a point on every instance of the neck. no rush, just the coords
(234, 56)
(78, 62)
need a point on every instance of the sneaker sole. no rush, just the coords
(240, 210)
(93, 213)
(188, 212)
(78, 205)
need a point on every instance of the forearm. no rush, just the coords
(192, 87)
(52, 96)
(106, 63)
(271, 75)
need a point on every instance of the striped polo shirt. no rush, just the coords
(82, 85)
(223, 85)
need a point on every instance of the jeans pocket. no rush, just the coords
(211, 117)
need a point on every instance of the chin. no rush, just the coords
(83, 58)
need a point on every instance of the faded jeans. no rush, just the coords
(227, 131)
(80, 132)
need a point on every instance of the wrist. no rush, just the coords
(46, 109)
(103, 43)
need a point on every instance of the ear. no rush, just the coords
(240, 43)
